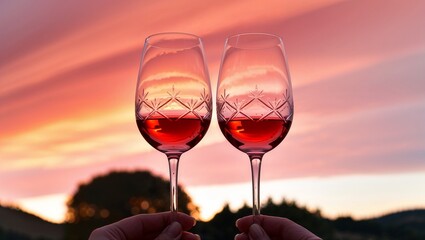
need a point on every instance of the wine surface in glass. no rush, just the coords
(173, 134)
(255, 135)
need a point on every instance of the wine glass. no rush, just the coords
(173, 97)
(254, 98)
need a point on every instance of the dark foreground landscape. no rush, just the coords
(88, 201)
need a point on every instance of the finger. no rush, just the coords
(172, 232)
(275, 226)
(244, 223)
(186, 221)
(257, 233)
(190, 236)
(146, 224)
(241, 236)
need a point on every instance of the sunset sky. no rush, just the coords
(68, 72)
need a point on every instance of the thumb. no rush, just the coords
(257, 233)
(172, 232)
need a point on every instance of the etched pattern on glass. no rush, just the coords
(278, 107)
(195, 107)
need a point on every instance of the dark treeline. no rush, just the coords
(222, 226)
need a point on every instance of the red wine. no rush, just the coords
(255, 135)
(173, 134)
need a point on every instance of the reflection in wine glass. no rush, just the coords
(173, 97)
(254, 98)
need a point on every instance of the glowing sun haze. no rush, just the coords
(68, 73)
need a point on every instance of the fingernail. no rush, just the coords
(198, 237)
(241, 236)
(174, 229)
(256, 232)
(194, 222)
(237, 223)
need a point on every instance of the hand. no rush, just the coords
(159, 226)
(271, 228)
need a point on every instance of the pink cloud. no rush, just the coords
(357, 68)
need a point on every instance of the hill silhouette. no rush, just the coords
(407, 225)
(19, 225)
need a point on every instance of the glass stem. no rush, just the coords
(173, 163)
(255, 172)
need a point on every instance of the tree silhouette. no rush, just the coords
(222, 226)
(109, 198)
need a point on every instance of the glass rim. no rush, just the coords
(258, 34)
(150, 40)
